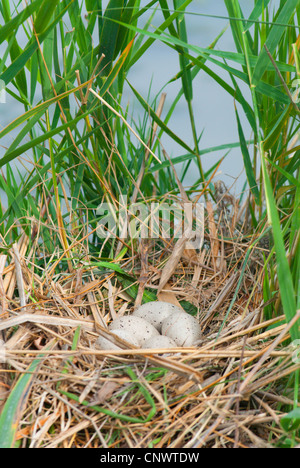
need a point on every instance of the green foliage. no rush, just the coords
(78, 142)
(13, 408)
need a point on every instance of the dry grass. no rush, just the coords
(229, 391)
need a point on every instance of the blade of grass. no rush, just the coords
(120, 416)
(274, 37)
(19, 63)
(285, 279)
(156, 35)
(187, 157)
(39, 109)
(44, 15)
(128, 281)
(11, 26)
(14, 406)
(126, 123)
(109, 33)
(160, 123)
(256, 13)
(12, 154)
(264, 88)
(247, 162)
(187, 83)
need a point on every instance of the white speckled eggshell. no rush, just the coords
(182, 328)
(156, 311)
(138, 327)
(160, 341)
(104, 343)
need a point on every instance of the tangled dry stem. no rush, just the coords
(228, 391)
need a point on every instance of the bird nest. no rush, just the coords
(231, 390)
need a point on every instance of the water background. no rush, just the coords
(213, 107)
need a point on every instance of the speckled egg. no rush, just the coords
(160, 341)
(104, 343)
(182, 328)
(156, 311)
(137, 327)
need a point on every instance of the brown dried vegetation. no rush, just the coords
(225, 392)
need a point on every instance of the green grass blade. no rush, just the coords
(159, 34)
(20, 62)
(124, 38)
(161, 124)
(15, 51)
(129, 282)
(256, 13)
(247, 162)
(274, 38)
(184, 62)
(285, 279)
(33, 76)
(44, 15)
(116, 69)
(81, 37)
(14, 406)
(287, 176)
(234, 12)
(275, 133)
(187, 157)
(295, 227)
(11, 154)
(291, 421)
(120, 416)
(12, 25)
(263, 88)
(154, 36)
(39, 109)
(109, 34)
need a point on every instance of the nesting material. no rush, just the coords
(156, 311)
(161, 395)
